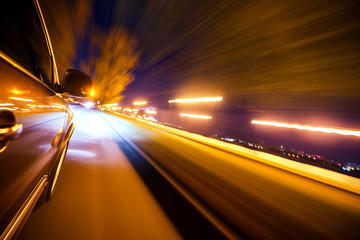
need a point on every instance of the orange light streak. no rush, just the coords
(22, 99)
(196, 100)
(309, 128)
(195, 116)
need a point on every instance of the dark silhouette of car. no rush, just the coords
(35, 121)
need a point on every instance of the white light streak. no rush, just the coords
(195, 116)
(22, 99)
(196, 100)
(151, 111)
(140, 103)
(309, 128)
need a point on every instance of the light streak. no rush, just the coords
(309, 128)
(92, 93)
(20, 92)
(111, 105)
(7, 108)
(140, 103)
(22, 99)
(151, 111)
(196, 100)
(195, 116)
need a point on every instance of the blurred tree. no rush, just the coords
(113, 56)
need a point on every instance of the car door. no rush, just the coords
(32, 117)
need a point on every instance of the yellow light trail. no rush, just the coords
(309, 128)
(140, 103)
(196, 100)
(195, 116)
(22, 99)
(20, 92)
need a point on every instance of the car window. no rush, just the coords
(22, 38)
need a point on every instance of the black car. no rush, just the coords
(35, 122)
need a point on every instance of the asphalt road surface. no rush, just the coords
(124, 179)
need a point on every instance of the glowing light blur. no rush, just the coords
(151, 111)
(110, 105)
(196, 100)
(22, 99)
(140, 103)
(20, 92)
(195, 116)
(89, 104)
(8, 108)
(92, 93)
(309, 128)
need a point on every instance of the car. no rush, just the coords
(35, 121)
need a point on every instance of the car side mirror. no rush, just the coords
(77, 83)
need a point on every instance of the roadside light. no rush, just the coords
(196, 100)
(355, 133)
(195, 116)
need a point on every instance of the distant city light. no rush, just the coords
(309, 128)
(150, 111)
(195, 116)
(140, 103)
(196, 100)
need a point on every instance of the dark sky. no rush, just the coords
(259, 53)
(256, 54)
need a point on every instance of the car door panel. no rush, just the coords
(44, 119)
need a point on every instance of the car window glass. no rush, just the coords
(22, 38)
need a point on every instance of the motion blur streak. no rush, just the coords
(140, 103)
(256, 199)
(196, 100)
(309, 128)
(151, 111)
(195, 116)
(22, 99)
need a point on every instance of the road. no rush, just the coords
(124, 179)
